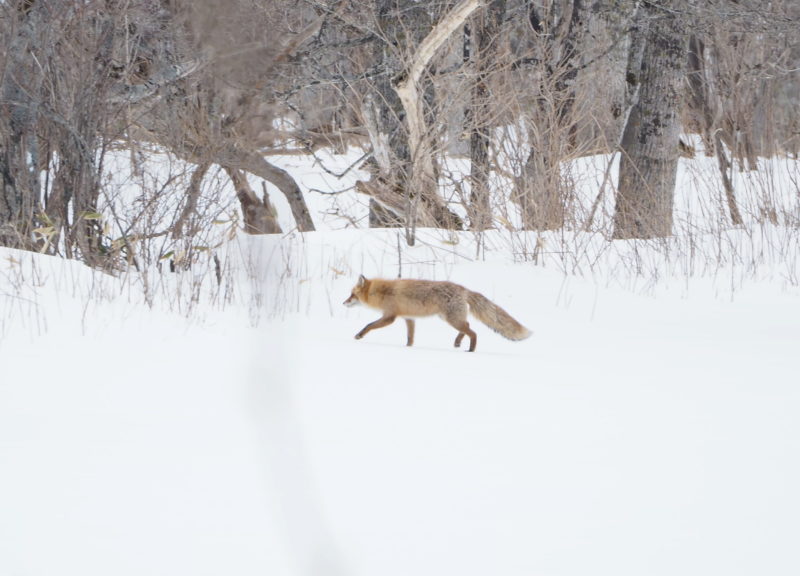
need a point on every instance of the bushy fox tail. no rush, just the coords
(495, 317)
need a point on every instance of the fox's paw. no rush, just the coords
(359, 336)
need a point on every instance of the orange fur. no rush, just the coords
(411, 299)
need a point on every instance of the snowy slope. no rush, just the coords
(649, 426)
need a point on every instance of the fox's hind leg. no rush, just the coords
(463, 330)
(379, 323)
(410, 330)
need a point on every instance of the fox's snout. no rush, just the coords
(358, 289)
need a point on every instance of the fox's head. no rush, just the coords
(358, 293)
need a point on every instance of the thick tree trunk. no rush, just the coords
(405, 157)
(259, 215)
(419, 140)
(483, 31)
(382, 109)
(19, 173)
(392, 207)
(541, 192)
(255, 164)
(649, 162)
(633, 69)
(637, 39)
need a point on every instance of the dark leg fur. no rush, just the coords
(464, 330)
(379, 323)
(473, 340)
(410, 331)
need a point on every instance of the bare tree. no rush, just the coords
(226, 84)
(219, 111)
(19, 145)
(55, 88)
(700, 101)
(558, 30)
(394, 112)
(482, 45)
(649, 163)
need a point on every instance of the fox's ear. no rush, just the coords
(361, 280)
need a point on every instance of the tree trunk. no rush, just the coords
(394, 114)
(483, 31)
(419, 140)
(649, 162)
(392, 207)
(382, 110)
(541, 195)
(633, 69)
(255, 164)
(19, 173)
(622, 110)
(700, 107)
(259, 215)
(541, 192)
(190, 208)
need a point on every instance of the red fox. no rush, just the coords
(416, 298)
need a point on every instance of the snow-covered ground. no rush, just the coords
(650, 426)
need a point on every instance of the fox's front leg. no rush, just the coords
(410, 330)
(379, 323)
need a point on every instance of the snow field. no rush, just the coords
(649, 425)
